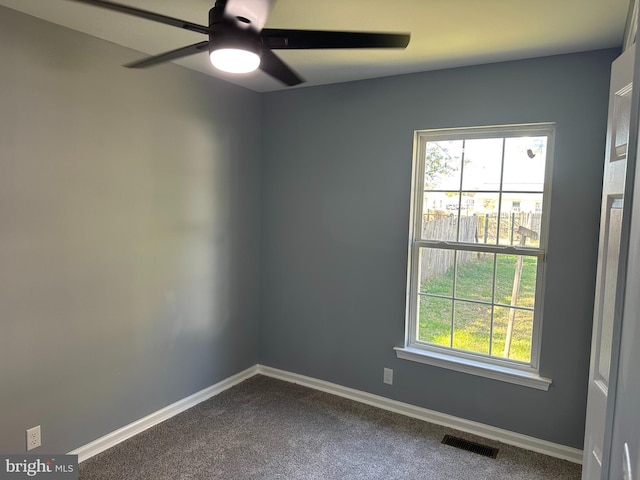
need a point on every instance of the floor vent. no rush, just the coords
(470, 446)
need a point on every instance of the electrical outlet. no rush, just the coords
(388, 376)
(33, 438)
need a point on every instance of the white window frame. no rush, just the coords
(513, 371)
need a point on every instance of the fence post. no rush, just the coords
(486, 227)
(513, 224)
(524, 233)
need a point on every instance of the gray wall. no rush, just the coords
(335, 200)
(129, 234)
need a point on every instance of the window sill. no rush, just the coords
(497, 372)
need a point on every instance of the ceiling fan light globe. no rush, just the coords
(235, 60)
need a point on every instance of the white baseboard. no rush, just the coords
(511, 438)
(139, 426)
(487, 431)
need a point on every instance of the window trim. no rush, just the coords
(526, 377)
(513, 371)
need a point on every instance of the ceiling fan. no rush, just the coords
(238, 44)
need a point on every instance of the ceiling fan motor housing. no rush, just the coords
(227, 33)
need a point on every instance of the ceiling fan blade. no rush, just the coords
(156, 17)
(307, 39)
(271, 64)
(172, 55)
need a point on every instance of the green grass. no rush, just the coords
(474, 281)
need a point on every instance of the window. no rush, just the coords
(477, 249)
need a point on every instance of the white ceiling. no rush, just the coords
(444, 33)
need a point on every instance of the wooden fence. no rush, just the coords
(509, 223)
(436, 262)
(473, 229)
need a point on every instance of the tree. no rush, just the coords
(489, 204)
(438, 164)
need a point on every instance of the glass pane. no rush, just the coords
(436, 271)
(519, 346)
(442, 165)
(486, 211)
(471, 326)
(434, 206)
(621, 119)
(468, 226)
(434, 324)
(524, 163)
(466, 203)
(474, 276)
(439, 216)
(516, 280)
(521, 219)
(482, 164)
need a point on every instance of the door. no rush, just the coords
(624, 460)
(606, 338)
(623, 419)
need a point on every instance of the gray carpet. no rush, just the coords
(268, 429)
